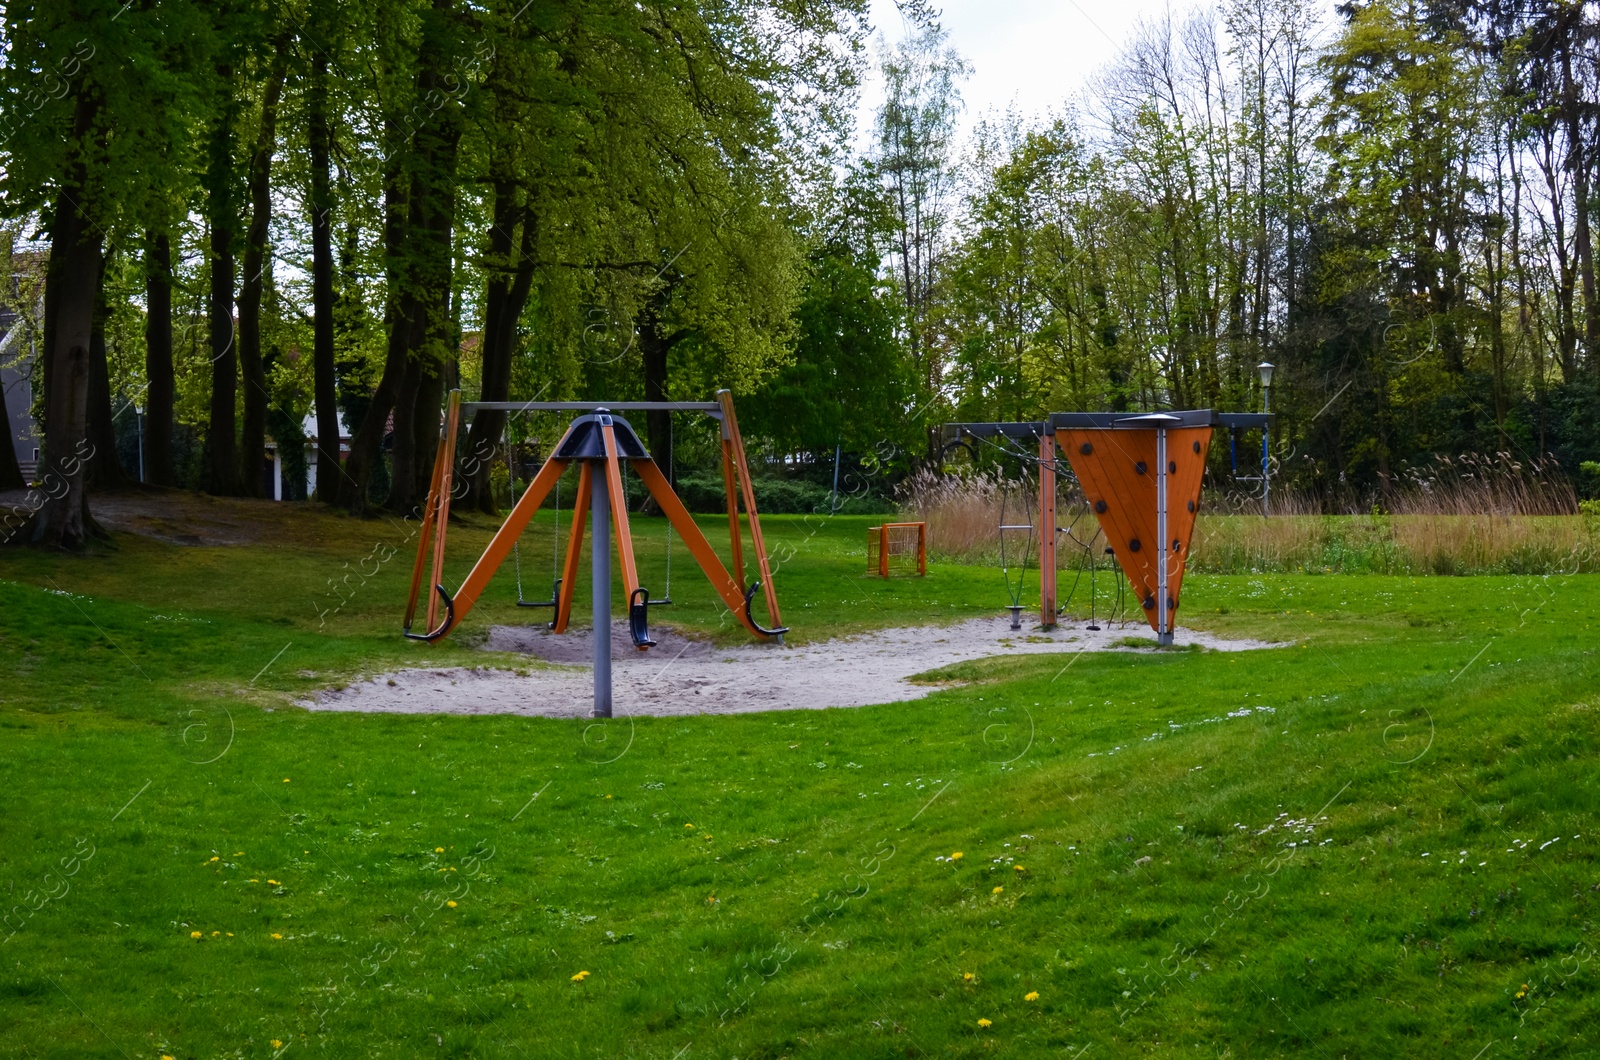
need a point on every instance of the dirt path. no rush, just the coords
(684, 676)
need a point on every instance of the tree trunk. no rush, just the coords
(253, 427)
(105, 466)
(74, 266)
(505, 297)
(1579, 165)
(418, 247)
(162, 388)
(222, 461)
(655, 347)
(320, 134)
(366, 446)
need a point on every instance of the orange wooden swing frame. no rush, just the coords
(737, 485)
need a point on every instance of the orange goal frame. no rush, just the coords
(882, 535)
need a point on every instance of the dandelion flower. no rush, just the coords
(286, 780)
(230, 934)
(276, 935)
(707, 836)
(956, 856)
(214, 934)
(1032, 995)
(986, 1024)
(580, 977)
(1020, 868)
(215, 858)
(274, 883)
(688, 826)
(968, 976)
(438, 850)
(277, 1043)
(452, 905)
(194, 934)
(608, 796)
(997, 890)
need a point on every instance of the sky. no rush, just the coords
(1034, 53)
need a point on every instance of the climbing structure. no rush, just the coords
(1141, 476)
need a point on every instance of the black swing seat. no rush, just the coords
(555, 598)
(639, 618)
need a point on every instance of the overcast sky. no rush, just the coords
(1036, 53)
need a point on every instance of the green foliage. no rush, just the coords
(703, 492)
(850, 383)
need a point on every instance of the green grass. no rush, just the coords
(152, 761)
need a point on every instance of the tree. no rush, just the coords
(90, 141)
(916, 127)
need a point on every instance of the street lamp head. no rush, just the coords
(1266, 369)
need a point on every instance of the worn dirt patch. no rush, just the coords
(691, 676)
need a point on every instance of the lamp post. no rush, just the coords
(1266, 368)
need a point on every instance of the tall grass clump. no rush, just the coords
(1475, 514)
(964, 512)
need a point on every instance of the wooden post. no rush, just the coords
(1047, 529)
(569, 566)
(446, 475)
(757, 542)
(733, 505)
(883, 551)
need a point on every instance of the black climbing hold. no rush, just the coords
(1177, 546)
(1085, 448)
(1191, 506)
(1149, 603)
(1197, 447)
(1172, 605)
(1172, 467)
(1134, 546)
(1139, 467)
(1100, 506)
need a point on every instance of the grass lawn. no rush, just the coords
(1378, 841)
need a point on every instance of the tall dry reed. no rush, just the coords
(1471, 515)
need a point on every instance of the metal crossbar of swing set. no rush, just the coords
(710, 408)
(1074, 420)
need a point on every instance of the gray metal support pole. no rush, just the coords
(1266, 465)
(833, 501)
(1164, 556)
(600, 576)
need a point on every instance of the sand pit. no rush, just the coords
(690, 676)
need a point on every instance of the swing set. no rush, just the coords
(598, 441)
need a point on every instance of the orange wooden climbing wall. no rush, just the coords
(1117, 469)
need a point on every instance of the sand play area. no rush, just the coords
(692, 676)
